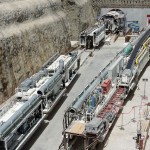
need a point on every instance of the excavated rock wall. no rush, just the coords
(32, 31)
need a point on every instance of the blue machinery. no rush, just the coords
(34, 99)
(87, 122)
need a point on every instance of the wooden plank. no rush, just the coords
(76, 127)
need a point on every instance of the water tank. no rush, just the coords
(128, 49)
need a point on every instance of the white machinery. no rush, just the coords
(112, 22)
(92, 37)
(34, 99)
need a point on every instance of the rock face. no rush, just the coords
(32, 31)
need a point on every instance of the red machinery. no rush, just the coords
(106, 86)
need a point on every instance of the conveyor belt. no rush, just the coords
(136, 48)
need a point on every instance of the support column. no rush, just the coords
(65, 142)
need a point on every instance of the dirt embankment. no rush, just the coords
(32, 31)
